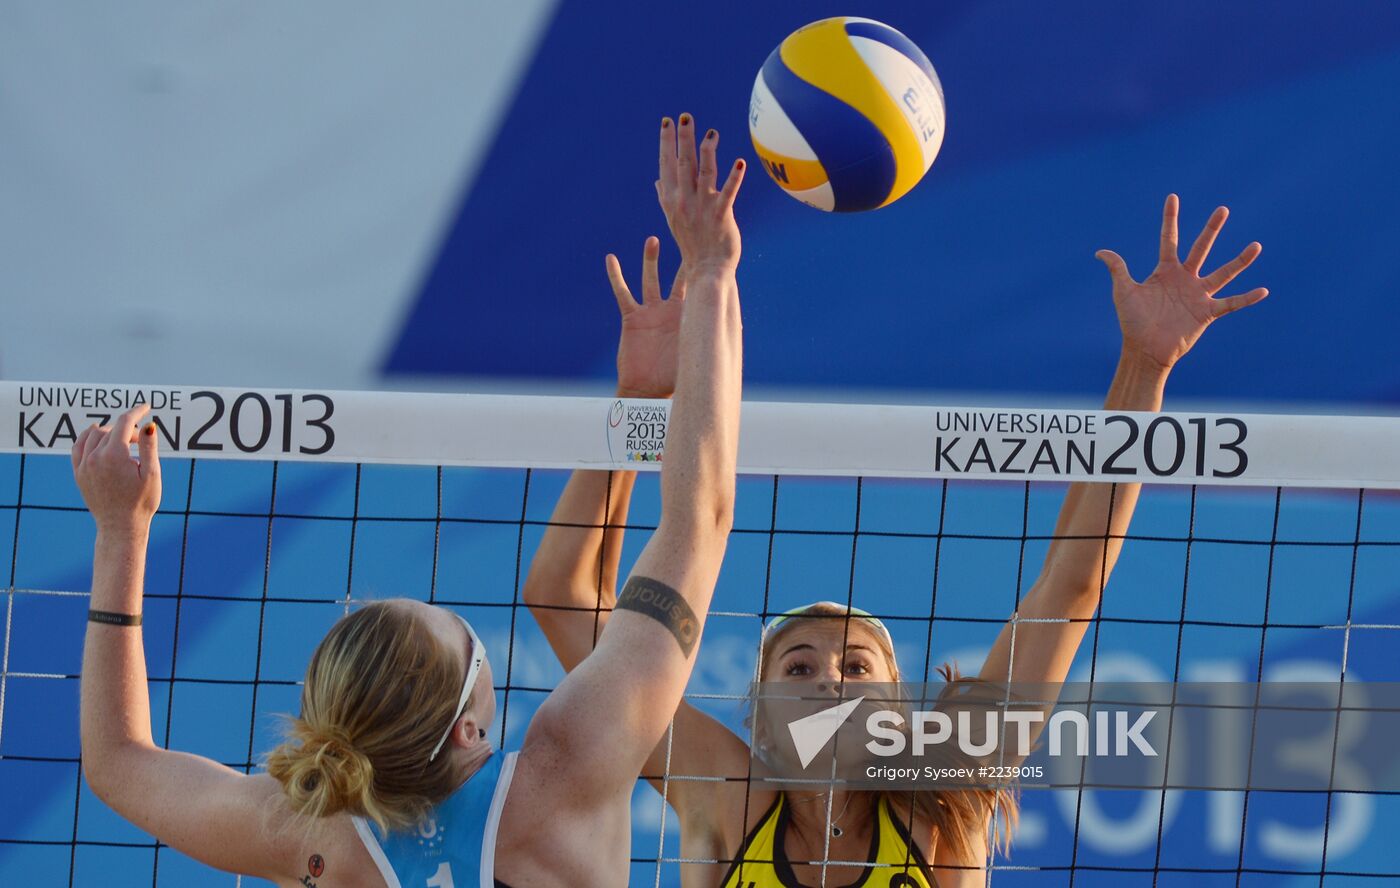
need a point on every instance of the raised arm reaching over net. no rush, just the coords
(391, 741)
(1161, 319)
(571, 589)
(613, 708)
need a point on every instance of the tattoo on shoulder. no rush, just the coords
(315, 865)
(664, 605)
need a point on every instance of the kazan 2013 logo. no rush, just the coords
(637, 432)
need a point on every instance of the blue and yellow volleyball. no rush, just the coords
(847, 114)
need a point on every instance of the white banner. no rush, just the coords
(776, 438)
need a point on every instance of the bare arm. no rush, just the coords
(572, 588)
(1161, 319)
(609, 712)
(572, 584)
(198, 806)
(1088, 540)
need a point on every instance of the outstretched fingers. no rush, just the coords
(1117, 268)
(1222, 307)
(685, 153)
(666, 166)
(651, 279)
(730, 190)
(1169, 250)
(708, 146)
(1230, 270)
(625, 302)
(1201, 248)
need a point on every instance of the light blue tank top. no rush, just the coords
(456, 846)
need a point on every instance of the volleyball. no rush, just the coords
(847, 114)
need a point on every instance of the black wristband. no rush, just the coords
(114, 619)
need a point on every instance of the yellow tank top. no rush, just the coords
(896, 861)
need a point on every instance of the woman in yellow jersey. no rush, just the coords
(759, 837)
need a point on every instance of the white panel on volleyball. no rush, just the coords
(898, 74)
(821, 197)
(770, 125)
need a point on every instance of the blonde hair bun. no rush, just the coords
(379, 690)
(322, 772)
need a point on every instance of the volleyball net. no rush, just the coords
(1265, 548)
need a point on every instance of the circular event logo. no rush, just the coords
(615, 417)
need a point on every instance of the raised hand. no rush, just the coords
(700, 216)
(647, 352)
(122, 493)
(1163, 316)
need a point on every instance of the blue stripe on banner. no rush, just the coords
(896, 41)
(856, 157)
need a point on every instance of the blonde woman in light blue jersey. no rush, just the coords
(388, 778)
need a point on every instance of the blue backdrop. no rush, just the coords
(237, 602)
(1067, 125)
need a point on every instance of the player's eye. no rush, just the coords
(797, 667)
(857, 667)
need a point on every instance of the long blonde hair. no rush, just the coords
(960, 817)
(379, 691)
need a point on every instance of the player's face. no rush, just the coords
(828, 658)
(828, 650)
